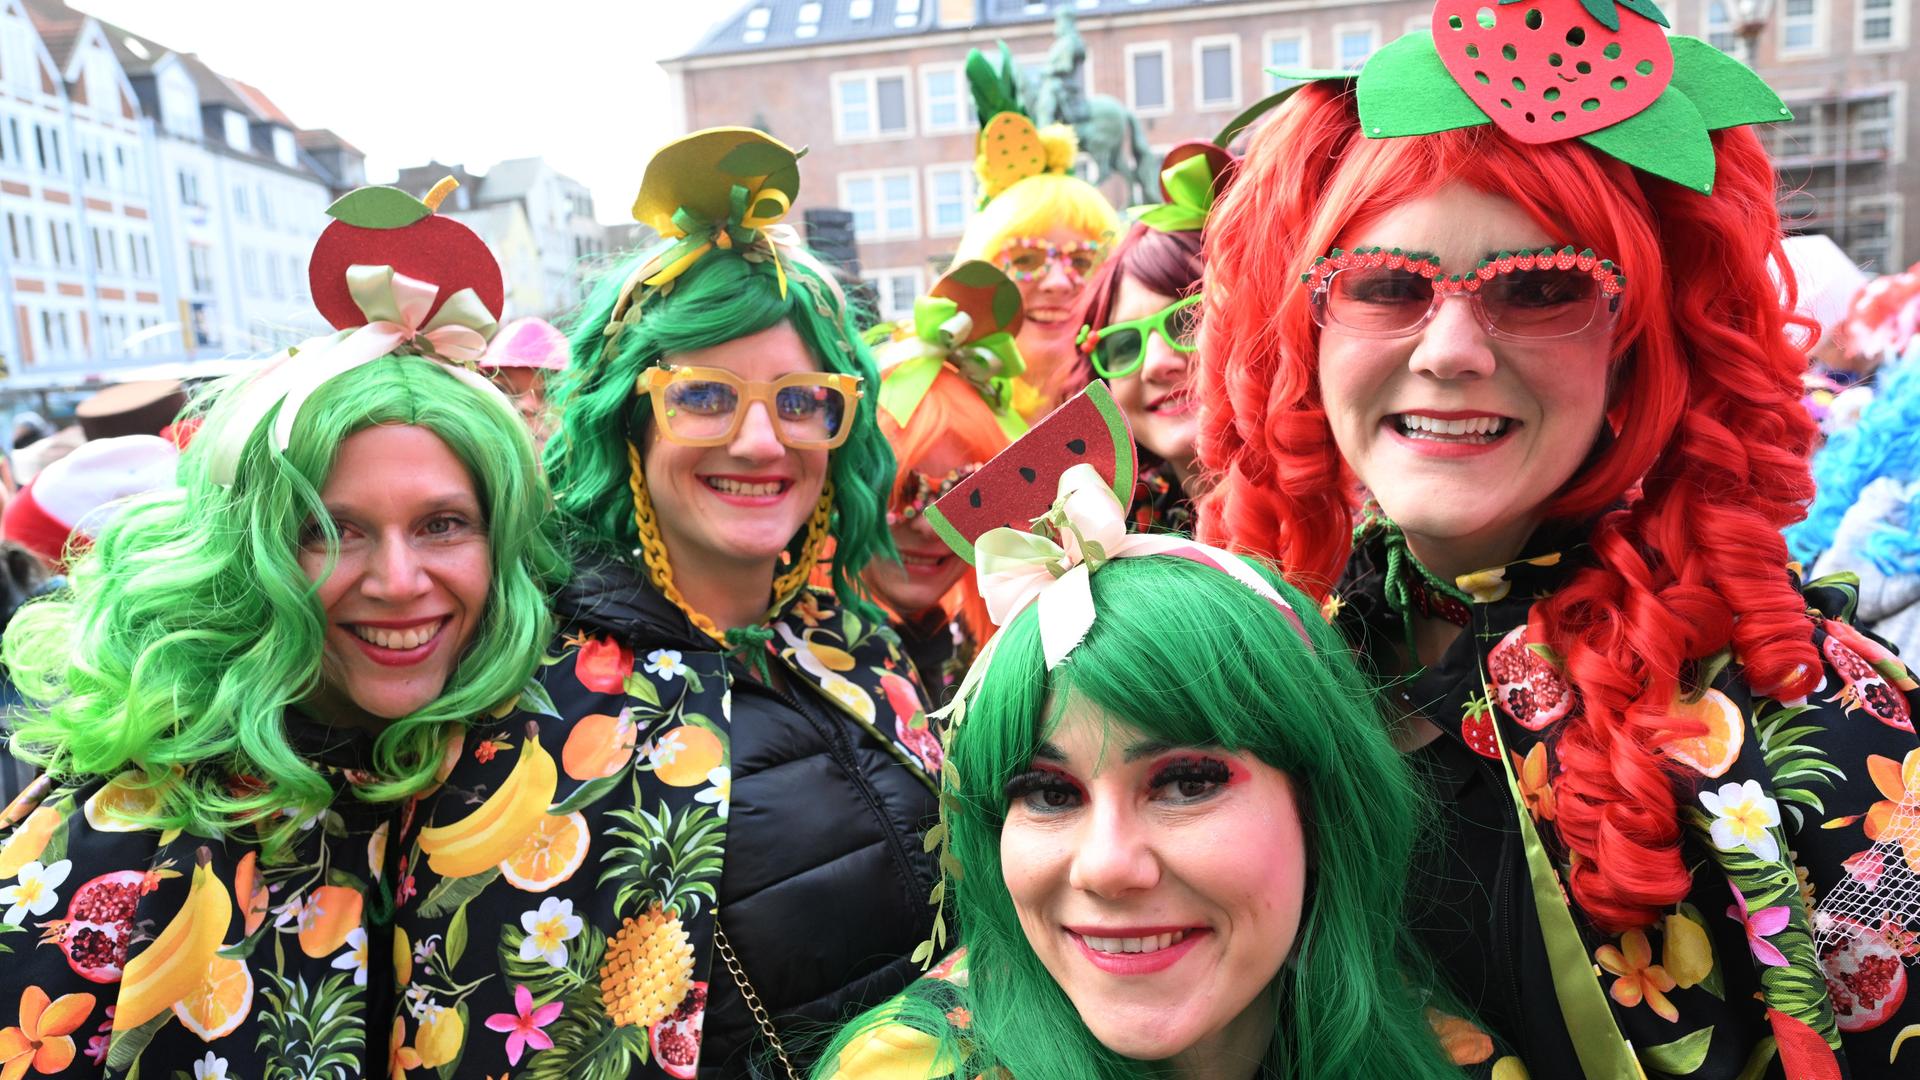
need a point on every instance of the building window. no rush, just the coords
(870, 105)
(944, 101)
(25, 241)
(266, 207)
(1882, 24)
(1870, 126)
(859, 9)
(894, 291)
(1147, 91)
(1720, 26)
(1216, 72)
(240, 201)
(1803, 27)
(250, 271)
(807, 20)
(756, 29)
(273, 278)
(949, 199)
(1353, 43)
(190, 188)
(906, 13)
(200, 267)
(1286, 50)
(882, 203)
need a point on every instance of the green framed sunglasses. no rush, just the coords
(1118, 349)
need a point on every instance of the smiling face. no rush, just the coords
(1462, 437)
(1046, 338)
(1158, 399)
(1160, 886)
(928, 568)
(410, 584)
(727, 512)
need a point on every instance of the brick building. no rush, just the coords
(874, 89)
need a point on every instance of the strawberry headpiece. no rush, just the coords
(1602, 71)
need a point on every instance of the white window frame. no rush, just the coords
(1266, 51)
(1165, 49)
(969, 191)
(879, 177)
(1901, 13)
(1822, 33)
(872, 77)
(1200, 45)
(885, 310)
(1371, 26)
(962, 100)
(1708, 27)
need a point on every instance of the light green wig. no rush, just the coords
(722, 296)
(189, 629)
(1191, 657)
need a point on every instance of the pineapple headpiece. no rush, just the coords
(1546, 70)
(1010, 147)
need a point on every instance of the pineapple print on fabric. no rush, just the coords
(559, 920)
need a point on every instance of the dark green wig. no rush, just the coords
(722, 296)
(1189, 656)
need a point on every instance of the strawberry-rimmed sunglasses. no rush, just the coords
(1543, 295)
(1118, 349)
(703, 406)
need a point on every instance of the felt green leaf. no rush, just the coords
(1726, 91)
(1681, 1056)
(378, 208)
(1006, 304)
(1310, 74)
(755, 159)
(1406, 90)
(1667, 139)
(977, 274)
(1646, 9)
(1267, 104)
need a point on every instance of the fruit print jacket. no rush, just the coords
(192, 956)
(562, 902)
(1782, 804)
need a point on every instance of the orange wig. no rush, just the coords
(1705, 466)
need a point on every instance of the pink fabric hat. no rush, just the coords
(527, 343)
(71, 499)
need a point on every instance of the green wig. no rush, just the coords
(189, 628)
(1188, 655)
(722, 296)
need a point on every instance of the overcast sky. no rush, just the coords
(574, 81)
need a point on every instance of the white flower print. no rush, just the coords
(1743, 817)
(354, 959)
(721, 793)
(210, 1068)
(32, 893)
(665, 663)
(548, 931)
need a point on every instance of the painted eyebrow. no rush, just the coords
(1046, 751)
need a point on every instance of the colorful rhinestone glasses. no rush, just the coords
(1543, 295)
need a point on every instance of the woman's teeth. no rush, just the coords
(736, 487)
(924, 562)
(1136, 944)
(401, 640)
(1473, 429)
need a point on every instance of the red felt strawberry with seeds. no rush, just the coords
(1545, 70)
(383, 226)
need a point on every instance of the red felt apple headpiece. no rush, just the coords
(393, 277)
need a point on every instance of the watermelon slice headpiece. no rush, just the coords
(1605, 72)
(966, 324)
(394, 277)
(722, 189)
(1037, 522)
(1010, 147)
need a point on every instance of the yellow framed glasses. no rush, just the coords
(702, 406)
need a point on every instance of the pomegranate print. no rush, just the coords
(1865, 688)
(910, 724)
(99, 921)
(675, 1041)
(1526, 685)
(602, 665)
(1865, 978)
(1545, 70)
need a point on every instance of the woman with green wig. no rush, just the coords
(713, 834)
(1177, 835)
(251, 674)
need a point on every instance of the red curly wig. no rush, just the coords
(1707, 462)
(953, 414)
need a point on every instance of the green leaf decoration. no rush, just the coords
(1681, 1056)
(1006, 305)
(978, 274)
(457, 937)
(451, 893)
(378, 208)
(994, 91)
(755, 159)
(1667, 139)
(309, 1034)
(1405, 90)
(544, 981)
(1647, 9)
(585, 795)
(127, 1046)
(640, 687)
(1726, 91)
(586, 1044)
(535, 699)
(1269, 103)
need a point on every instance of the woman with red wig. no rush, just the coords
(1543, 365)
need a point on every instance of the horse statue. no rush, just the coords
(1108, 132)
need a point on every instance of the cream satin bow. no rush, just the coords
(1053, 567)
(395, 306)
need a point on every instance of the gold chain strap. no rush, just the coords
(653, 549)
(752, 999)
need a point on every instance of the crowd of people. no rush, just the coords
(1350, 618)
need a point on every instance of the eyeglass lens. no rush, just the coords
(704, 409)
(1520, 303)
